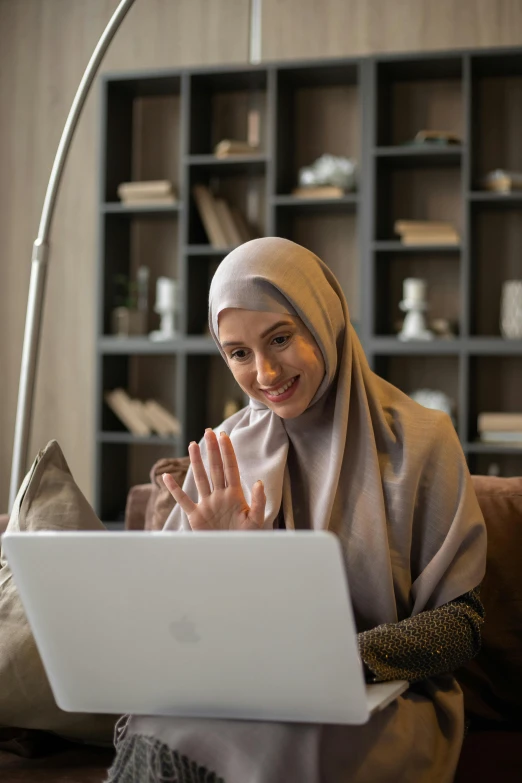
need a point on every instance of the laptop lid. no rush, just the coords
(223, 625)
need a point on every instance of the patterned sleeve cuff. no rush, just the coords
(433, 642)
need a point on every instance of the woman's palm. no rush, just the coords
(222, 504)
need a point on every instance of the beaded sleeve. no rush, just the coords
(433, 642)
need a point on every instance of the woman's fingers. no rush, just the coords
(177, 493)
(229, 461)
(198, 469)
(257, 504)
(215, 461)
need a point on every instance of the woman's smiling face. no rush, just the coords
(273, 357)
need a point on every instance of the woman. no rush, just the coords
(326, 444)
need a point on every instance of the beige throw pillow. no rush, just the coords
(49, 499)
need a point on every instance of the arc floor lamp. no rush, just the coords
(40, 258)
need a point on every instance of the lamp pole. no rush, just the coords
(40, 258)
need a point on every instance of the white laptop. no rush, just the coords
(254, 626)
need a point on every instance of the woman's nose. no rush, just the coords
(268, 371)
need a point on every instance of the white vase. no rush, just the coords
(511, 310)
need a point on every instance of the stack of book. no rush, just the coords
(151, 193)
(224, 225)
(502, 181)
(319, 191)
(426, 232)
(228, 148)
(501, 428)
(142, 418)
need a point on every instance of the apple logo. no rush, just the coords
(184, 631)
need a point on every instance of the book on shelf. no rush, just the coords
(228, 148)
(209, 216)
(499, 422)
(147, 192)
(244, 230)
(436, 137)
(254, 127)
(164, 422)
(228, 225)
(322, 191)
(430, 239)
(142, 418)
(129, 414)
(502, 181)
(224, 225)
(426, 232)
(490, 436)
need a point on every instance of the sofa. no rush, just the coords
(492, 683)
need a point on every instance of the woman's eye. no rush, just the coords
(239, 354)
(281, 339)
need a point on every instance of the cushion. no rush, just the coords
(161, 502)
(492, 682)
(49, 499)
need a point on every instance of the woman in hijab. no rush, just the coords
(325, 444)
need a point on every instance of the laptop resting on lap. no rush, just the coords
(249, 626)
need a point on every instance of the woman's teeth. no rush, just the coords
(282, 388)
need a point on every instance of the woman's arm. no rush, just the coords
(430, 643)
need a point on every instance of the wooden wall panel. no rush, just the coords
(44, 46)
(339, 28)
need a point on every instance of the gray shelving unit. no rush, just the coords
(164, 124)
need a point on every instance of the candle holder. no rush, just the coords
(414, 304)
(167, 307)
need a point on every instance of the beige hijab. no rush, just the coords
(364, 460)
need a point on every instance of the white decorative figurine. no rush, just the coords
(414, 305)
(167, 306)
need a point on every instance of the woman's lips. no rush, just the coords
(285, 395)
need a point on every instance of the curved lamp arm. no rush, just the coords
(40, 256)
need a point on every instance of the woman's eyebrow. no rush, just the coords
(278, 325)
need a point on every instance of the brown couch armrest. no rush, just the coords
(136, 506)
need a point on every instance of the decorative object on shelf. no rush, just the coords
(504, 428)
(326, 191)
(231, 407)
(127, 319)
(502, 181)
(147, 193)
(511, 310)
(329, 170)
(443, 328)
(142, 418)
(126, 322)
(426, 232)
(225, 226)
(435, 399)
(435, 137)
(142, 290)
(167, 307)
(414, 304)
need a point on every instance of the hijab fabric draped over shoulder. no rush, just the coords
(364, 460)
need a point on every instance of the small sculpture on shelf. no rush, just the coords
(329, 176)
(167, 308)
(414, 304)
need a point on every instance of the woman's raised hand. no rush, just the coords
(221, 504)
